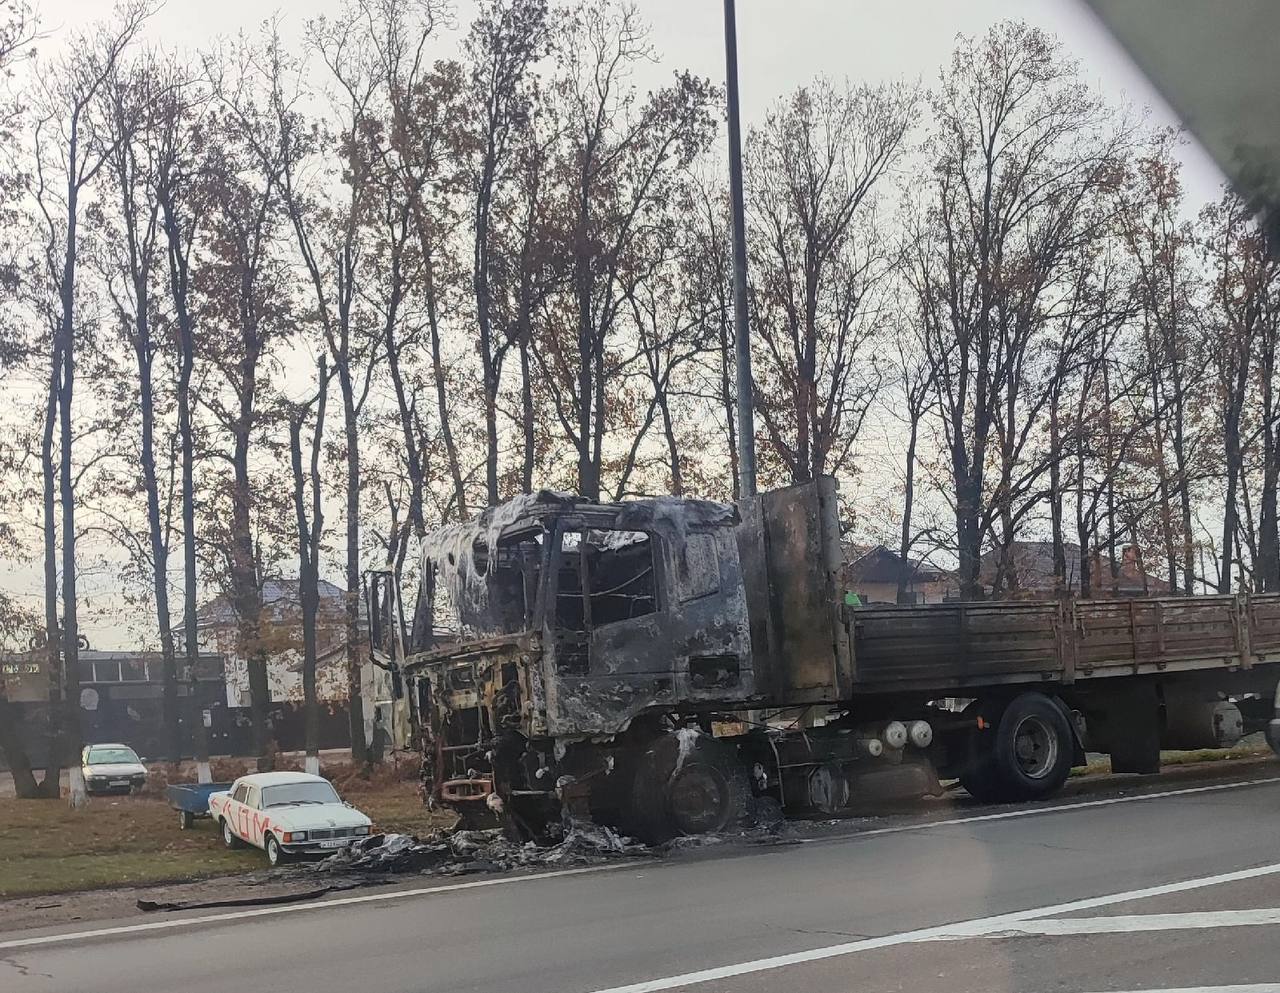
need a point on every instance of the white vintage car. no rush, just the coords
(286, 814)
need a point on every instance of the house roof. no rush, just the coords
(882, 565)
(275, 593)
(1032, 562)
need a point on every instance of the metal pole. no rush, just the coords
(741, 339)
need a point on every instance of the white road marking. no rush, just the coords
(1244, 988)
(293, 908)
(1055, 809)
(973, 928)
(1142, 922)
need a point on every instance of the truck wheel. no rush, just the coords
(1033, 748)
(185, 820)
(978, 775)
(687, 783)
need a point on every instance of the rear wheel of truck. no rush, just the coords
(687, 783)
(1027, 755)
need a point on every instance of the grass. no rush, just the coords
(1244, 750)
(46, 847)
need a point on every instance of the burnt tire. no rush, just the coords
(687, 783)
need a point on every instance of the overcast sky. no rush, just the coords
(782, 44)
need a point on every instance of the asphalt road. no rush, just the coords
(1180, 890)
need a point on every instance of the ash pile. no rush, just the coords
(463, 852)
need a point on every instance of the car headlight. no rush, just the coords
(362, 829)
(291, 836)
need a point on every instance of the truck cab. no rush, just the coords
(554, 618)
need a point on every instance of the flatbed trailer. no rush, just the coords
(668, 664)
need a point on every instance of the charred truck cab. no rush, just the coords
(665, 665)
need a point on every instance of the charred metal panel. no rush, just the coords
(789, 574)
(636, 664)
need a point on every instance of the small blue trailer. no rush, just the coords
(191, 800)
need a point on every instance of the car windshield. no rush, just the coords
(114, 754)
(293, 793)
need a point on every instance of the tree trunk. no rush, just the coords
(673, 451)
(489, 367)
(308, 577)
(908, 505)
(178, 283)
(246, 592)
(1060, 585)
(50, 785)
(588, 484)
(442, 391)
(159, 548)
(1230, 515)
(355, 699)
(14, 753)
(526, 412)
(73, 736)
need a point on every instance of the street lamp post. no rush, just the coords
(741, 339)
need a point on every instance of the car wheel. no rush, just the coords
(276, 854)
(185, 820)
(228, 836)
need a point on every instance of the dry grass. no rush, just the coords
(46, 847)
(1244, 750)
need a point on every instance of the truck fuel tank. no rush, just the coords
(1192, 722)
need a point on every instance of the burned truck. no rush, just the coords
(667, 665)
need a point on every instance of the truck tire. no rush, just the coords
(978, 773)
(1027, 754)
(687, 783)
(1033, 748)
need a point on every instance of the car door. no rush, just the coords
(255, 822)
(237, 812)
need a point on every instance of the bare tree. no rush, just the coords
(1160, 247)
(615, 163)
(1244, 279)
(244, 284)
(129, 97)
(1018, 142)
(310, 531)
(817, 257)
(178, 136)
(507, 39)
(73, 143)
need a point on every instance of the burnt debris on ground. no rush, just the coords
(580, 842)
(478, 851)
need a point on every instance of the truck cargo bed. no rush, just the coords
(959, 645)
